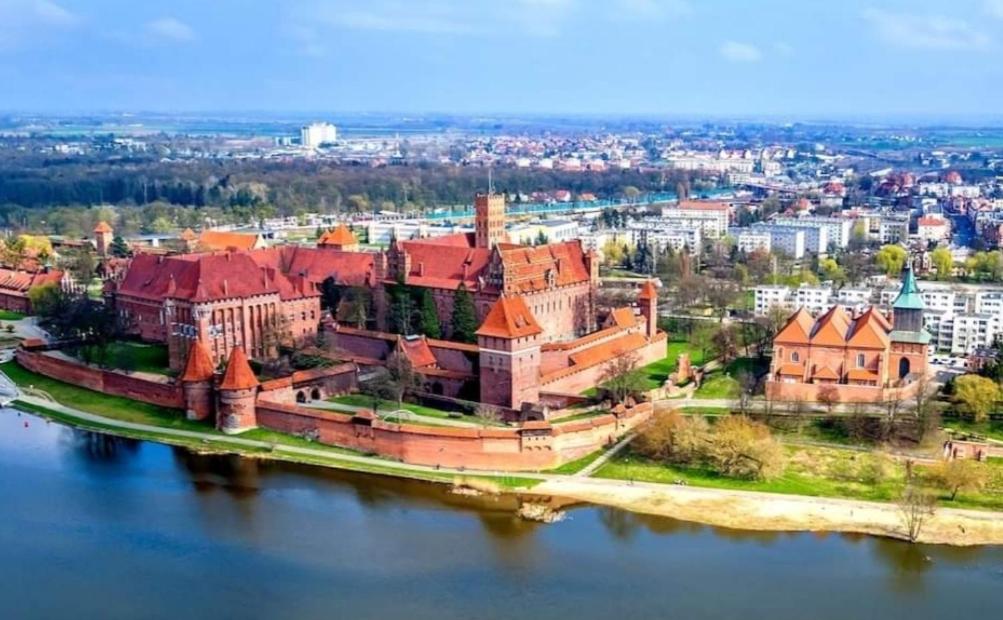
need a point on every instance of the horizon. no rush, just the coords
(622, 59)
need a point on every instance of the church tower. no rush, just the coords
(907, 310)
(489, 219)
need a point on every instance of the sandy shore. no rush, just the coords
(775, 512)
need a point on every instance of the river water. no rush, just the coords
(99, 527)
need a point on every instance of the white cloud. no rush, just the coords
(23, 21)
(930, 32)
(994, 8)
(170, 28)
(736, 51)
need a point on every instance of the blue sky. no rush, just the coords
(747, 58)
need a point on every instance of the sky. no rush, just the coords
(817, 59)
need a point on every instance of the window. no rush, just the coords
(860, 360)
(795, 357)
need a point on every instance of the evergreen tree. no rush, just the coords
(429, 316)
(464, 321)
(119, 248)
(401, 314)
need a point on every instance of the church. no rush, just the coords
(852, 357)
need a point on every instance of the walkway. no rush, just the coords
(606, 456)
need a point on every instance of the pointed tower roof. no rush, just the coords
(188, 235)
(797, 330)
(103, 227)
(238, 375)
(199, 365)
(648, 291)
(509, 318)
(909, 297)
(339, 236)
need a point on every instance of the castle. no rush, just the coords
(865, 357)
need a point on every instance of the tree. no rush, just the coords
(943, 261)
(702, 337)
(961, 475)
(743, 448)
(402, 377)
(464, 319)
(916, 507)
(726, 342)
(621, 379)
(830, 270)
(429, 316)
(829, 397)
(673, 438)
(891, 259)
(119, 248)
(353, 308)
(976, 395)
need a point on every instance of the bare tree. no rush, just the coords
(620, 377)
(916, 508)
(829, 397)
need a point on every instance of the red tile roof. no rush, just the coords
(527, 269)
(825, 372)
(445, 265)
(238, 375)
(339, 236)
(797, 330)
(417, 351)
(199, 366)
(623, 317)
(831, 328)
(19, 282)
(509, 318)
(221, 240)
(205, 277)
(316, 265)
(103, 227)
(648, 291)
(792, 370)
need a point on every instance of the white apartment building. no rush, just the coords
(816, 299)
(710, 216)
(661, 237)
(837, 229)
(751, 240)
(813, 239)
(315, 134)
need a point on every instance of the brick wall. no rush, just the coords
(106, 381)
(506, 449)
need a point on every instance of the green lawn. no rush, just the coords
(724, 383)
(656, 373)
(809, 471)
(992, 429)
(142, 357)
(101, 404)
(577, 465)
(585, 415)
(365, 402)
(10, 315)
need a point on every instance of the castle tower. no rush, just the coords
(509, 341)
(489, 220)
(189, 240)
(196, 382)
(103, 236)
(647, 299)
(237, 395)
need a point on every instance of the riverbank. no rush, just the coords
(744, 510)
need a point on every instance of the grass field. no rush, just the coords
(656, 373)
(365, 402)
(812, 471)
(724, 383)
(151, 358)
(10, 315)
(992, 429)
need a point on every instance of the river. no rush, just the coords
(100, 527)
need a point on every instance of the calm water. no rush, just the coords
(96, 527)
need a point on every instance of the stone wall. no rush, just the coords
(573, 380)
(165, 394)
(809, 392)
(534, 446)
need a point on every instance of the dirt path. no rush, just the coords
(776, 512)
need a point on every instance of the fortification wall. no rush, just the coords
(541, 446)
(572, 380)
(106, 381)
(809, 392)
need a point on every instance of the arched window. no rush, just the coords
(795, 357)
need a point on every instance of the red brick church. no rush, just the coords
(865, 357)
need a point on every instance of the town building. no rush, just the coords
(712, 217)
(316, 134)
(850, 356)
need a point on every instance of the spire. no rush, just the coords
(909, 297)
(199, 365)
(648, 291)
(238, 375)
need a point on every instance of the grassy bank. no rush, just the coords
(811, 471)
(125, 410)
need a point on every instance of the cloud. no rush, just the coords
(171, 29)
(994, 8)
(735, 51)
(23, 21)
(927, 32)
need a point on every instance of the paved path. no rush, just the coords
(599, 462)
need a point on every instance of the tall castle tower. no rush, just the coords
(509, 342)
(237, 395)
(489, 219)
(647, 299)
(103, 236)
